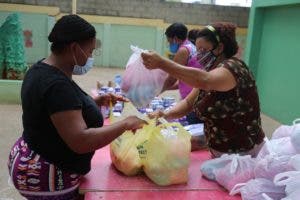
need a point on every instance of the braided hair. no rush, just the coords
(68, 29)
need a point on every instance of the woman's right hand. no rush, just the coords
(157, 114)
(133, 123)
(152, 60)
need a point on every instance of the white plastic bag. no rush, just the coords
(293, 196)
(279, 147)
(295, 162)
(282, 131)
(291, 181)
(286, 130)
(259, 189)
(209, 167)
(271, 165)
(239, 170)
(139, 84)
(295, 135)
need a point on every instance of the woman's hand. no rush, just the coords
(105, 99)
(157, 114)
(152, 60)
(133, 123)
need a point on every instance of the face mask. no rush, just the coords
(174, 47)
(80, 70)
(206, 58)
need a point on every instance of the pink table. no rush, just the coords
(105, 182)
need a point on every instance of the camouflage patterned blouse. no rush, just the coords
(232, 119)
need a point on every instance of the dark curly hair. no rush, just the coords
(68, 29)
(224, 33)
(192, 35)
(177, 29)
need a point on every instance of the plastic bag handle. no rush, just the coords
(169, 125)
(137, 50)
(269, 146)
(266, 197)
(234, 165)
(126, 151)
(165, 123)
(296, 121)
(283, 178)
(236, 189)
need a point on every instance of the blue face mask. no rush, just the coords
(173, 47)
(80, 70)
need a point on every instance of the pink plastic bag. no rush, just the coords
(239, 170)
(259, 189)
(139, 84)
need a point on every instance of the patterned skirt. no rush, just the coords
(37, 179)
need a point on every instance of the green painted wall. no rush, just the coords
(100, 36)
(116, 40)
(40, 25)
(122, 36)
(10, 91)
(273, 54)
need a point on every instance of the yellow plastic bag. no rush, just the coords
(125, 151)
(124, 154)
(162, 152)
(167, 154)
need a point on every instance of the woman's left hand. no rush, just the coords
(152, 60)
(105, 99)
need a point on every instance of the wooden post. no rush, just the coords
(74, 8)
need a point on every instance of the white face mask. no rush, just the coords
(80, 70)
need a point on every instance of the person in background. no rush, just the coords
(192, 35)
(224, 96)
(186, 55)
(62, 124)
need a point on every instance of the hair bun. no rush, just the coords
(71, 28)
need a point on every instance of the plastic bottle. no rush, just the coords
(118, 81)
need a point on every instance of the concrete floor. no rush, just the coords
(11, 124)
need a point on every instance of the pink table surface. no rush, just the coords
(106, 182)
(162, 195)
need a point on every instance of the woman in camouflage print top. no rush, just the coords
(224, 96)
